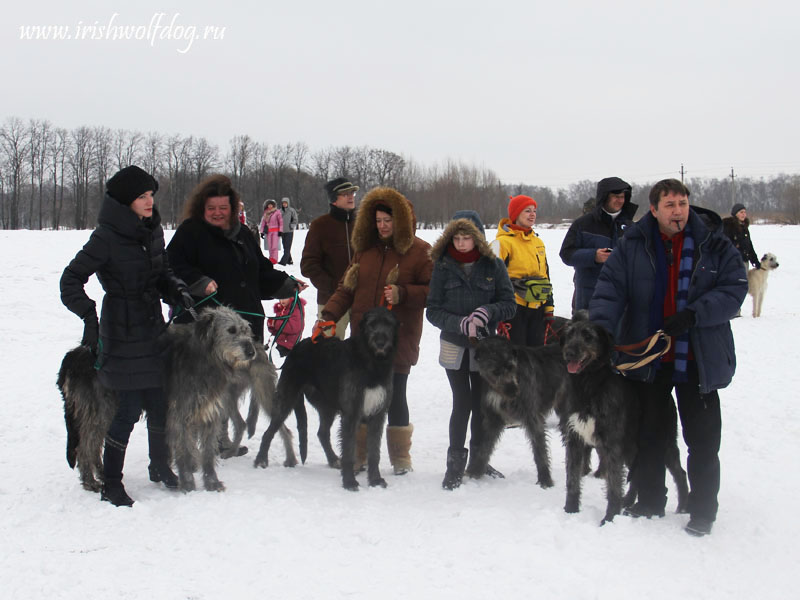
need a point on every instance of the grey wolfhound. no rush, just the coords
(598, 409)
(352, 378)
(757, 281)
(521, 388)
(207, 365)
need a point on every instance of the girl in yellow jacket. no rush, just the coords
(524, 255)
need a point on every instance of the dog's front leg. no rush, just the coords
(614, 481)
(481, 450)
(575, 462)
(208, 457)
(374, 437)
(347, 460)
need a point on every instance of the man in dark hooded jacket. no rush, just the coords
(591, 237)
(675, 271)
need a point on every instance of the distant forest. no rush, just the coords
(54, 178)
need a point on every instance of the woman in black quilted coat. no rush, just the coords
(126, 252)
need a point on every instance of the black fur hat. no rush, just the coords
(736, 208)
(129, 183)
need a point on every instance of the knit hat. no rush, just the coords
(336, 186)
(472, 216)
(517, 205)
(736, 208)
(129, 183)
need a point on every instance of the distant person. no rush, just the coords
(289, 215)
(524, 255)
(328, 250)
(392, 267)
(270, 229)
(737, 228)
(470, 293)
(592, 236)
(127, 254)
(242, 214)
(675, 271)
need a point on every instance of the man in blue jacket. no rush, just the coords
(675, 270)
(592, 236)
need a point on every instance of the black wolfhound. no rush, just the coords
(208, 363)
(598, 409)
(351, 377)
(522, 383)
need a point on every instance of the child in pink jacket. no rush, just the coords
(270, 229)
(293, 330)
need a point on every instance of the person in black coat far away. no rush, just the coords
(126, 252)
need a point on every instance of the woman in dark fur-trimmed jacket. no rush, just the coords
(737, 228)
(390, 266)
(470, 294)
(126, 251)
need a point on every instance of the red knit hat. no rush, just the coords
(517, 205)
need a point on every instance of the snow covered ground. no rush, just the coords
(296, 533)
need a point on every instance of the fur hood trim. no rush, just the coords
(365, 233)
(460, 227)
(350, 277)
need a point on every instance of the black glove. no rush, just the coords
(679, 323)
(756, 265)
(91, 333)
(262, 235)
(185, 299)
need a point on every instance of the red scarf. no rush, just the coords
(463, 257)
(516, 227)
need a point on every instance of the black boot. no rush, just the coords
(456, 463)
(113, 458)
(159, 459)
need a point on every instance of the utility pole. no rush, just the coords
(733, 187)
(682, 172)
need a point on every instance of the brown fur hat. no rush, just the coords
(365, 233)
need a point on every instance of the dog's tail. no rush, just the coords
(73, 434)
(252, 417)
(302, 428)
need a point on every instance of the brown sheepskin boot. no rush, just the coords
(398, 441)
(361, 448)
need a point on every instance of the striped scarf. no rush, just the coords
(681, 300)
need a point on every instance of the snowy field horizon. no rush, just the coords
(296, 533)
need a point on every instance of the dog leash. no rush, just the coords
(648, 344)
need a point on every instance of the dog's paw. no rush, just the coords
(350, 485)
(187, 486)
(379, 482)
(573, 505)
(290, 462)
(545, 482)
(261, 461)
(607, 519)
(215, 486)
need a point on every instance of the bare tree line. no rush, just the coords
(52, 178)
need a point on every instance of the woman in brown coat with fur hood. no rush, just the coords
(392, 266)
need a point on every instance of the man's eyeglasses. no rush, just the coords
(349, 194)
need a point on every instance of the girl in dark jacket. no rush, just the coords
(470, 293)
(126, 251)
(212, 252)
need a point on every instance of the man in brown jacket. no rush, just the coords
(390, 266)
(327, 250)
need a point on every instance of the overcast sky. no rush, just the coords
(541, 92)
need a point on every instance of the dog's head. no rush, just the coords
(228, 334)
(769, 261)
(497, 365)
(585, 345)
(378, 332)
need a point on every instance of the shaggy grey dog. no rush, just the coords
(209, 364)
(521, 386)
(352, 378)
(598, 409)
